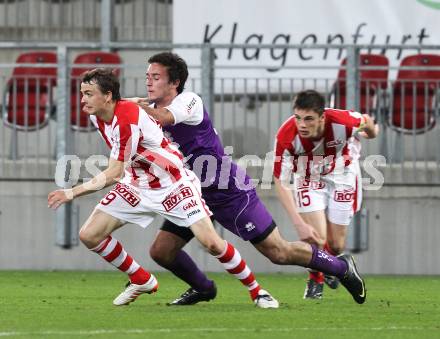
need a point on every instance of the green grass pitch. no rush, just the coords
(79, 305)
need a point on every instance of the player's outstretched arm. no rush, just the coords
(112, 174)
(163, 115)
(136, 100)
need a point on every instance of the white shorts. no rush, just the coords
(180, 203)
(340, 194)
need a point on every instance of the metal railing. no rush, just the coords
(247, 112)
(85, 20)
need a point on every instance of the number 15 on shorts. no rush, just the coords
(303, 198)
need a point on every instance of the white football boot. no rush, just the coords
(132, 291)
(265, 300)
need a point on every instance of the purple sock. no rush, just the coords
(324, 262)
(186, 269)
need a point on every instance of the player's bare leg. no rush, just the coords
(96, 236)
(282, 252)
(98, 227)
(336, 235)
(231, 260)
(335, 245)
(315, 284)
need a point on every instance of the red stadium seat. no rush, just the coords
(78, 119)
(414, 94)
(29, 92)
(373, 83)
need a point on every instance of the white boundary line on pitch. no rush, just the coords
(213, 329)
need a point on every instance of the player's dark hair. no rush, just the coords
(309, 100)
(106, 80)
(175, 65)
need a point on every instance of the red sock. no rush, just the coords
(113, 252)
(234, 264)
(139, 277)
(316, 276)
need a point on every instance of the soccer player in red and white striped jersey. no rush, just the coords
(321, 147)
(149, 178)
(134, 135)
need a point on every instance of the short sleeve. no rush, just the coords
(356, 122)
(351, 120)
(187, 108)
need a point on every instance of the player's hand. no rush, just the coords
(308, 234)
(59, 197)
(365, 135)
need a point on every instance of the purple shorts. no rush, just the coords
(245, 216)
(242, 214)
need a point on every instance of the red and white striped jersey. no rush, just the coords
(135, 137)
(339, 146)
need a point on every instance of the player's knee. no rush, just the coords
(160, 255)
(88, 238)
(213, 247)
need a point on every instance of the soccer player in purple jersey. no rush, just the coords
(183, 116)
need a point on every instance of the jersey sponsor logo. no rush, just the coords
(124, 192)
(249, 226)
(190, 105)
(191, 204)
(128, 195)
(334, 143)
(176, 197)
(190, 214)
(344, 196)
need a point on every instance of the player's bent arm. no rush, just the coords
(306, 232)
(369, 129)
(288, 202)
(109, 176)
(163, 115)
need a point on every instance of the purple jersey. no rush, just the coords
(238, 210)
(201, 139)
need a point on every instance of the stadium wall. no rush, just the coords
(403, 233)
